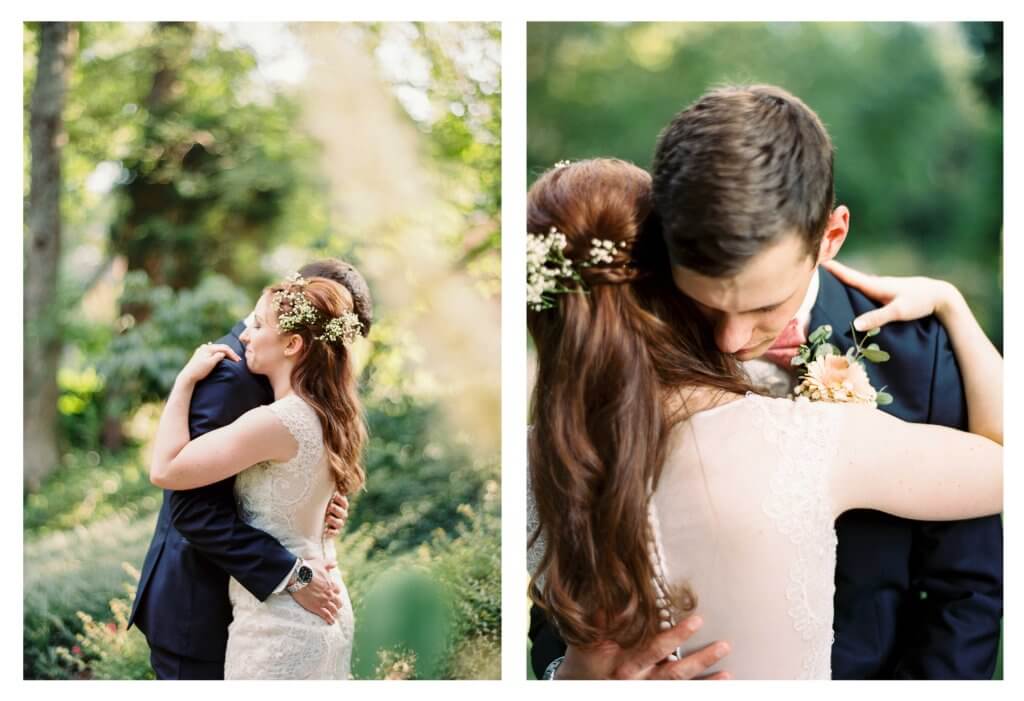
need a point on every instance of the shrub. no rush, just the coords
(410, 467)
(88, 487)
(109, 650)
(440, 601)
(67, 572)
(141, 364)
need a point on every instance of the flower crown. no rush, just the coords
(549, 272)
(302, 314)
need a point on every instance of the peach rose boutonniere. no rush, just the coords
(831, 377)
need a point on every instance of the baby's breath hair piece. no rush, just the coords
(302, 314)
(602, 251)
(548, 271)
(563, 164)
(345, 328)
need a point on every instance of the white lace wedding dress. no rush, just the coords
(277, 638)
(742, 515)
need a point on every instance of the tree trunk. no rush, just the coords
(57, 43)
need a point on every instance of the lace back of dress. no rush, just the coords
(805, 438)
(303, 423)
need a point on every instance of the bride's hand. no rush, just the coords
(904, 298)
(607, 660)
(204, 360)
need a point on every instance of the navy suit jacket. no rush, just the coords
(182, 600)
(914, 599)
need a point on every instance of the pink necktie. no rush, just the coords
(786, 345)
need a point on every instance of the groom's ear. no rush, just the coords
(836, 229)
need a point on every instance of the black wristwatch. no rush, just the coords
(303, 576)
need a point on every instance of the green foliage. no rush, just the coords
(109, 650)
(412, 470)
(463, 127)
(206, 163)
(80, 408)
(141, 363)
(88, 487)
(469, 565)
(209, 167)
(71, 571)
(452, 584)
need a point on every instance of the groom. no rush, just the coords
(743, 191)
(182, 601)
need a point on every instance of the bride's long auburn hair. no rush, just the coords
(324, 377)
(614, 363)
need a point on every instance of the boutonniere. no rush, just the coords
(829, 376)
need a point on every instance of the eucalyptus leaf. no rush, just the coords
(875, 355)
(883, 398)
(825, 349)
(822, 333)
(874, 332)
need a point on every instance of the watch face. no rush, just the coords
(305, 574)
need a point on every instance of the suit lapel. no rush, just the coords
(833, 308)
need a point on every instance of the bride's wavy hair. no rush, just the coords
(323, 375)
(614, 362)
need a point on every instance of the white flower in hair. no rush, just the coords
(301, 311)
(295, 311)
(345, 328)
(603, 251)
(548, 271)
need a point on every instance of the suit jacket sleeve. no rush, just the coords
(957, 564)
(207, 516)
(546, 644)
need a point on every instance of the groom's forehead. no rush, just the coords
(768, 279)
(739, 293)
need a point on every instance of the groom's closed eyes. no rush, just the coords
(767, 309)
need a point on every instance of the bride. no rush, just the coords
(661, 486)
(290, 456)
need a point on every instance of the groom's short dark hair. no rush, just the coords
(735, 171)
(347, 276)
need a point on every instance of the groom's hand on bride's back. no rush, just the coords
(608, 660)
(322, 596)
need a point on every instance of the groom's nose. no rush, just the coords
(732, 333)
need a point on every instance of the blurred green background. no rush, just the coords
(201, 162)
(914, 111)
